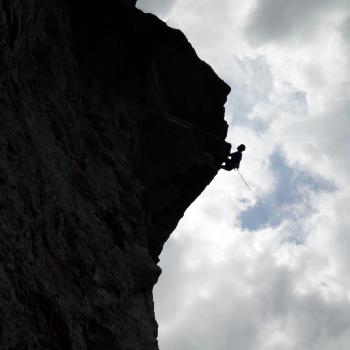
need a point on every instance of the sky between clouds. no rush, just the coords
(268, 269)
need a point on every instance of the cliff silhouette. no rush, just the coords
(110, 127)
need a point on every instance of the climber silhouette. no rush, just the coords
(233, 160)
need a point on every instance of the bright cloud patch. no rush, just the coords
(161, 8)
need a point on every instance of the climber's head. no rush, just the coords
(241, 148)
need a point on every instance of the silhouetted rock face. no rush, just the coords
(110, 126)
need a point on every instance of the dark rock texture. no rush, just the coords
(110, 127)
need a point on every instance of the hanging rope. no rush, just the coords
(244, 180)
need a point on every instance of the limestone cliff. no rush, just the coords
(110, 127)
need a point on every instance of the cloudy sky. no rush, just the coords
(267, 269)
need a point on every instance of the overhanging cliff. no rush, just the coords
(111, 126)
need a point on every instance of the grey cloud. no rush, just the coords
(276, 20)
(158, 7)
(346, 30)
(319, 324)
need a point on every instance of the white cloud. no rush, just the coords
(162, 8)
(224, 287)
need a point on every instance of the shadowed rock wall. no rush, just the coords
(110, 127)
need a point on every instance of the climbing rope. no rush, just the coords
(244, 180)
